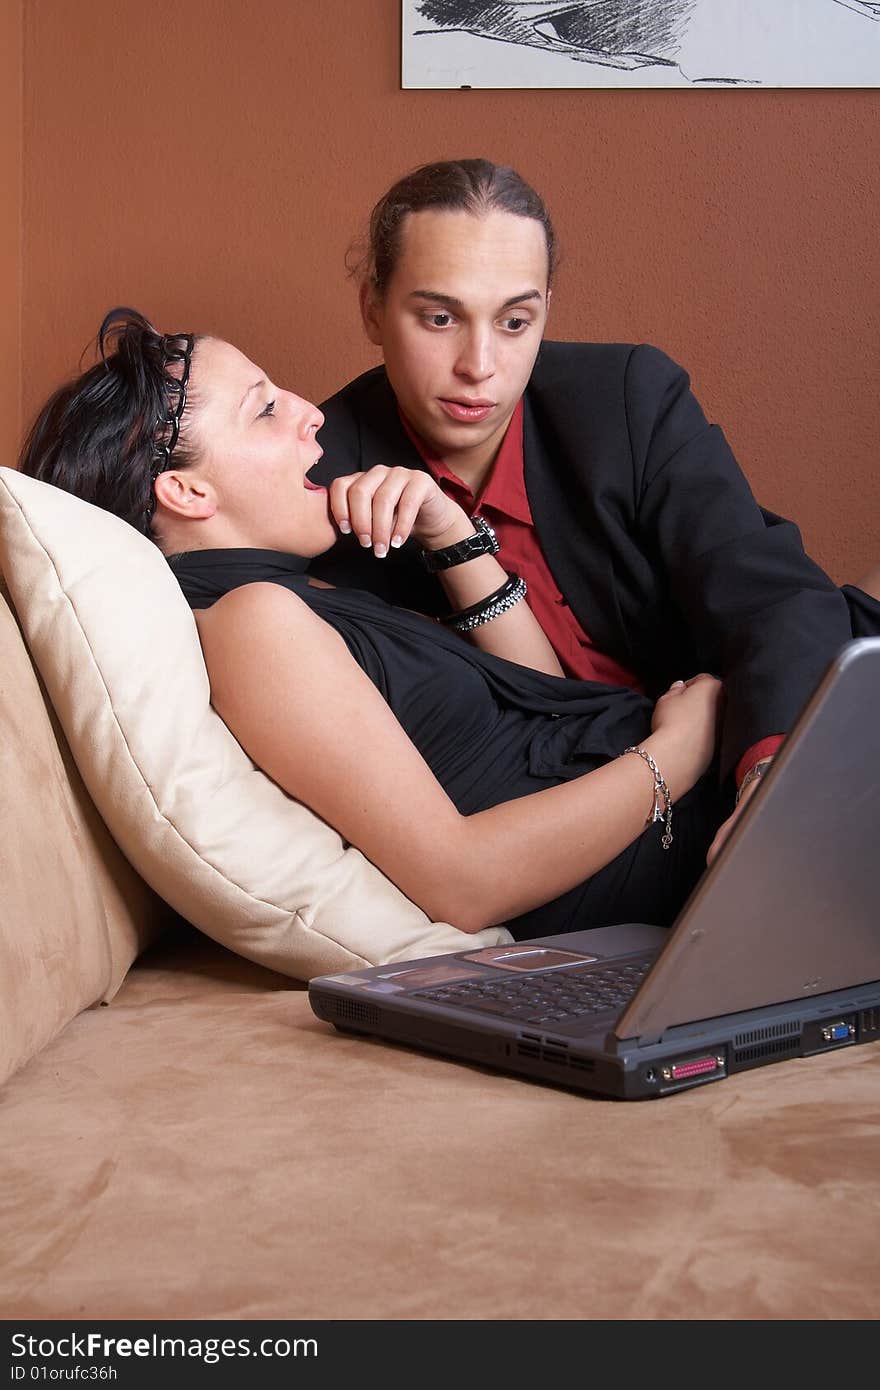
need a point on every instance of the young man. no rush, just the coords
(646, 556)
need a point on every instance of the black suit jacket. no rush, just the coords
(647, 523)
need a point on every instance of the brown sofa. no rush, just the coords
(198, 1145)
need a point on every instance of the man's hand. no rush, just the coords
(747, 790)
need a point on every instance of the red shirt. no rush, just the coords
(504, 503)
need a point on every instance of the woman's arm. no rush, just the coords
(386, 505)
(287, 687)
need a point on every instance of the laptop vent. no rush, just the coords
(352, 1011)
(776, 1030)
(776, 1047)
(535, 1048)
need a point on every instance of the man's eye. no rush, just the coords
(268, 409)
(514, 325)
(440, 319)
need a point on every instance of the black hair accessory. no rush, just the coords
(176, 347)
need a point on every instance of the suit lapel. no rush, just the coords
(562, 498)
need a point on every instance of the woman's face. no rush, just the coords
(460, 326)
(256, 443)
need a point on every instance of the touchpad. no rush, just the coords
(528, 958)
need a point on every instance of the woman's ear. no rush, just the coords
(371, 312)
(185, 494)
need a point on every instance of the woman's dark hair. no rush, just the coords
(107, 435)
(455, 185)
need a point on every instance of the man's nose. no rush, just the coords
(476, 359)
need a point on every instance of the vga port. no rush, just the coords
(838, 1032)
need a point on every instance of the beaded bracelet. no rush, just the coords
(512, 590)
(664, 814)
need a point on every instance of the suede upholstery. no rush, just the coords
(74, 914)
(206, 1148)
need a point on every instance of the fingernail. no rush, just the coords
(365, 540)
(397, 542)
(344, 526)
(380, 551)
(675, 683)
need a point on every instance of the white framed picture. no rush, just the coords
(641, 43)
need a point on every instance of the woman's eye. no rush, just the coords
(268, 409)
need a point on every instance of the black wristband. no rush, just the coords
(482, 542)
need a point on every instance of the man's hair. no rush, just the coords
(455, 185)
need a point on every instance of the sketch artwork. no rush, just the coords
(641, 43)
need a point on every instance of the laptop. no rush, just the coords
(775, 955)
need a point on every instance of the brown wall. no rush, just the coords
(10, 228)
(209, 162)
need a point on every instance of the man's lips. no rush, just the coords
(467, 411)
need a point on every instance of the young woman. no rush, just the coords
(645, 553)
(455, 754)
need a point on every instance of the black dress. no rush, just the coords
(493, 731)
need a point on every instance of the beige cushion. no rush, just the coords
(117, 647)
(73, 913)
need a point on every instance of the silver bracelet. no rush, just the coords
(512, 590)
(755, 771)
(659, 813)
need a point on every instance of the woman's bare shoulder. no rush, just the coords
(250, 598)
(261, 604)
(258, 618)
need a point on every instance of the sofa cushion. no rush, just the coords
(73, 913)
(117, 647)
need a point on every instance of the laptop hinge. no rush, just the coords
(615, 1044)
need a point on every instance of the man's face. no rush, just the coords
(460, 326)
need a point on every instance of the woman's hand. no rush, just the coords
(685, 722)
(384, 506)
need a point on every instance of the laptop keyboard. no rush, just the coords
(548, 997)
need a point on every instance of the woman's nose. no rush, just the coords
(309, 419)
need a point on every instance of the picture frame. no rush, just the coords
(640, 43)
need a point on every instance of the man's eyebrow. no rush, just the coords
(437, 297)
(261, 382)
(522, 298)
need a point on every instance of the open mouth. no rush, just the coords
(307, 482)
